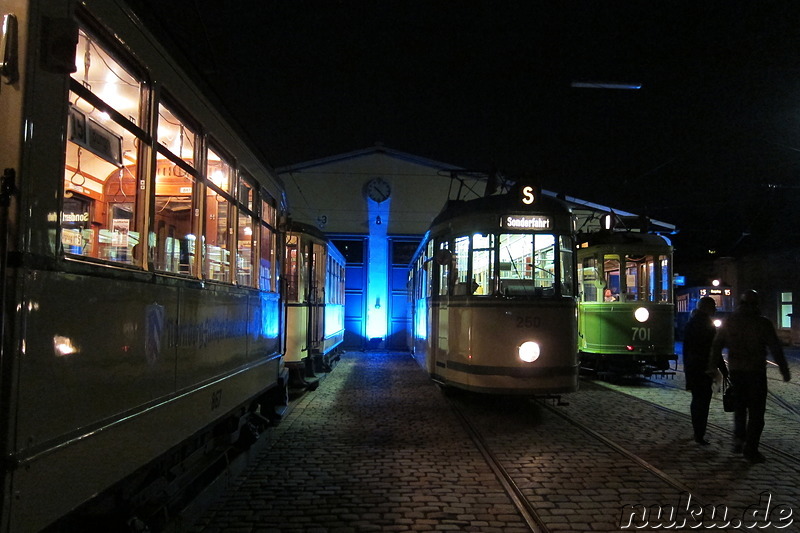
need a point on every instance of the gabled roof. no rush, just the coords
(585, 209)
(378, 148)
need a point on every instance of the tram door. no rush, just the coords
(355, 290)
(316, 297)
(402, 251)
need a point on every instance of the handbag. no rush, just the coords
(728, 396)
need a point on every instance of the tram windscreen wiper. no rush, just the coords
(522, 286)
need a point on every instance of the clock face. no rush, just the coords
(379, 190)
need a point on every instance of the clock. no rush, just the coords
(378, 189)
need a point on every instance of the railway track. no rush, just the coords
(509, 477)
(520, 461)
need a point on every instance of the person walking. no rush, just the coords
(748, 335)
(698, 336)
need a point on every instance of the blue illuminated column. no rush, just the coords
(377, 269)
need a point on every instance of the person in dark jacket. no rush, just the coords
(698, 336)
(748, 335)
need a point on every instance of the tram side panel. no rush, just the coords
(106, 365)
(115, 373)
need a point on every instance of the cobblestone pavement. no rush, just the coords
(378, 447)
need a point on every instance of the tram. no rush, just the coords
(625, 308)
(686, 299)
(491, 290)
(141, 316)
(314, 290)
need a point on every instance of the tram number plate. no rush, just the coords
(528, 321)
(641, 334)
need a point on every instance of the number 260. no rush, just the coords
(528, 321)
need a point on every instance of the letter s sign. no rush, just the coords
(528, 195)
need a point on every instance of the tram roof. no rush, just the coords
(589, 215)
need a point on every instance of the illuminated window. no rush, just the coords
(786, 307)
(104, 143)
(317, 289)
(445, 268)
(174, 235)
(245, 231)
(217, 252)
(567, 258)
(293, 268)
(527, 264)
(461, 267)
(611, 272)
(666, 279)
(267, 243)
(483, 263)
(589, 279)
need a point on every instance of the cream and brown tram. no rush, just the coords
(314, 293)
(141, 317)
(492, 289)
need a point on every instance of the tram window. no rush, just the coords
(317, 288)
(445, 271)
(527, 264)
(266, 269)
(245, 246)
(461, 285)
(267, 246)
(483, 263)
(640, 278)
(174, 236)
(666, 279)
(293, 268)
(567, 258)
(589, 278)
(245, 228)
(102, 151)
(218, 220)
(611, 269)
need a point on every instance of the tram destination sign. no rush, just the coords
(525, 222)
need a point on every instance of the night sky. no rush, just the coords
(711, 142)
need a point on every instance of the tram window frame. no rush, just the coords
(567, 270)
(445, 278)
(219, 186)
(100, 113)
(590, 283)
(612, 274)
(538, 257)
(293, 268)
(246, 237)
(318, 274)
(665, 295)
(175, 179)
(267, 245)
(483, 252)
(461, 266)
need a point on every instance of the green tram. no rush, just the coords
(625, 308)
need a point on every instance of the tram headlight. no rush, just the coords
(529, 351)
(717, 322)
(641, 314)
